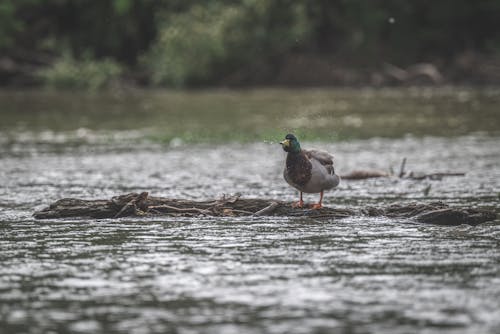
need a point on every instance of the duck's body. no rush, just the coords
(308, 171)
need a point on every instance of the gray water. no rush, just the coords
(248, 275)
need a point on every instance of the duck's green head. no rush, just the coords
(290, 144)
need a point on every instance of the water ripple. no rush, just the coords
(247, 275)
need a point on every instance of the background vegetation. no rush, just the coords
(179, 43)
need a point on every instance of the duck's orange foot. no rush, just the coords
(299, 204)
(316, 206)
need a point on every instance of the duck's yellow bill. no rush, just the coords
(285, 143)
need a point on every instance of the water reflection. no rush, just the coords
(248, 115)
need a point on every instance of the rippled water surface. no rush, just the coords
(245, 275)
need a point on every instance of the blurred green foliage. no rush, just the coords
(210, 41)
(196, 42)
(88, 74)
(9, 25)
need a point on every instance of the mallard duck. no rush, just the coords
(308, 171)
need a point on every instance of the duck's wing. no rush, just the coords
(324, 158)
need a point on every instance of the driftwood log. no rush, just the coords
(362, 174)
(142, 204)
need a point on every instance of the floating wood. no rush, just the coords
(134, 205)
(362, 174)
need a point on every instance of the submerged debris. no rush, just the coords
(142, 204)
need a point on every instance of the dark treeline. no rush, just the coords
(90, 44)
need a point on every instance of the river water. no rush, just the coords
(243, 275)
